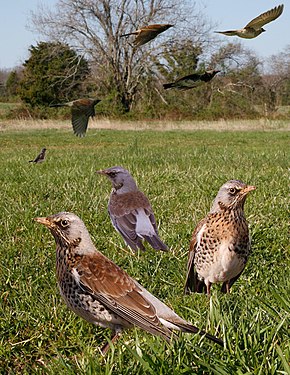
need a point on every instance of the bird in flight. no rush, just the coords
(255, 27)
(191, 81)
(81, 110)
(40, 157)
(147, 33)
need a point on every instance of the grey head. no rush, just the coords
(68, 230)
(232, 194)
(120, 178)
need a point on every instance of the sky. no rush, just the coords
(226, 14)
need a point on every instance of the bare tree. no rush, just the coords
(94, 28)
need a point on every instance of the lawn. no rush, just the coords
(180, 171)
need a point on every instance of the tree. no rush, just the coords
(94, 27)
(53, 72)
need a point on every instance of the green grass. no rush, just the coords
(180, 171)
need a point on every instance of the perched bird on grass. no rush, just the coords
(81, 110)
(220, 244)
(102, 293)
(255, 27)
(191, 81)
(40, 157)
(130, 211)
(147, 33)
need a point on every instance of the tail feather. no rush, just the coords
(133, 33)
(193, 284)
(167, 86)
(189, 328)
(156, 243)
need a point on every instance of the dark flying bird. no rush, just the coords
(147, 33)
(40, 157)
(102, 293)
(130, 211)
(191, 81)
(81, 110)
(220, 244)
(255, 27)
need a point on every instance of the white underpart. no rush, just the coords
(225, 266)
(143, 224)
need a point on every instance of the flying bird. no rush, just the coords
(130, 211)
(40, 157)
(255, 27)
(191, 81)
(220, 244)
(81, 110)
(147, 33)
(102, 293)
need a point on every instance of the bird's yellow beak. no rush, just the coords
(102, 171)
(248, 189)
(43, 221)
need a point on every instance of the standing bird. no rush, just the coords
(254, 27)
(130, 211)
(147, 33)
(40, 157)
(191, 81)
(81, 110)
(220, 244)
(102, 293)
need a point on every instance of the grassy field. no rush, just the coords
(180, 171)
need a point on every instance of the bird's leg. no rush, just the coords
(208, 289)
(228, 287)
(115, 336)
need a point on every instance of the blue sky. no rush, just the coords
(227, 14)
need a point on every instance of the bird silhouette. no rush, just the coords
(191, 81)
(255, 27)
(81, 110)
(40, 157)
(147, 33)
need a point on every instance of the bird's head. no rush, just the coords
(120, 178)
(231, 195)
(67, 229)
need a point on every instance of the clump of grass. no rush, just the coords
(180, 172)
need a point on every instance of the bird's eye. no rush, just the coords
(64, 223)
(112, 174)
(232, 190)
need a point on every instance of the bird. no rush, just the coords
(130, 211)
(254, 27)
(192, 80)
(40, 157)
(220, 244)
(147, 33)
(81, 110)
(99, 291)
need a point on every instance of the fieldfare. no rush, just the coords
(220, 244)
(130, 211)
(40, 157)
(191, 81)
(254, 27)
(102, 293)
(81, 110)
(147, 33)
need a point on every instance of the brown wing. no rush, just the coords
(265, 17)
(148, 33)
(191, 276)
(81, 111)
(112, 286)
